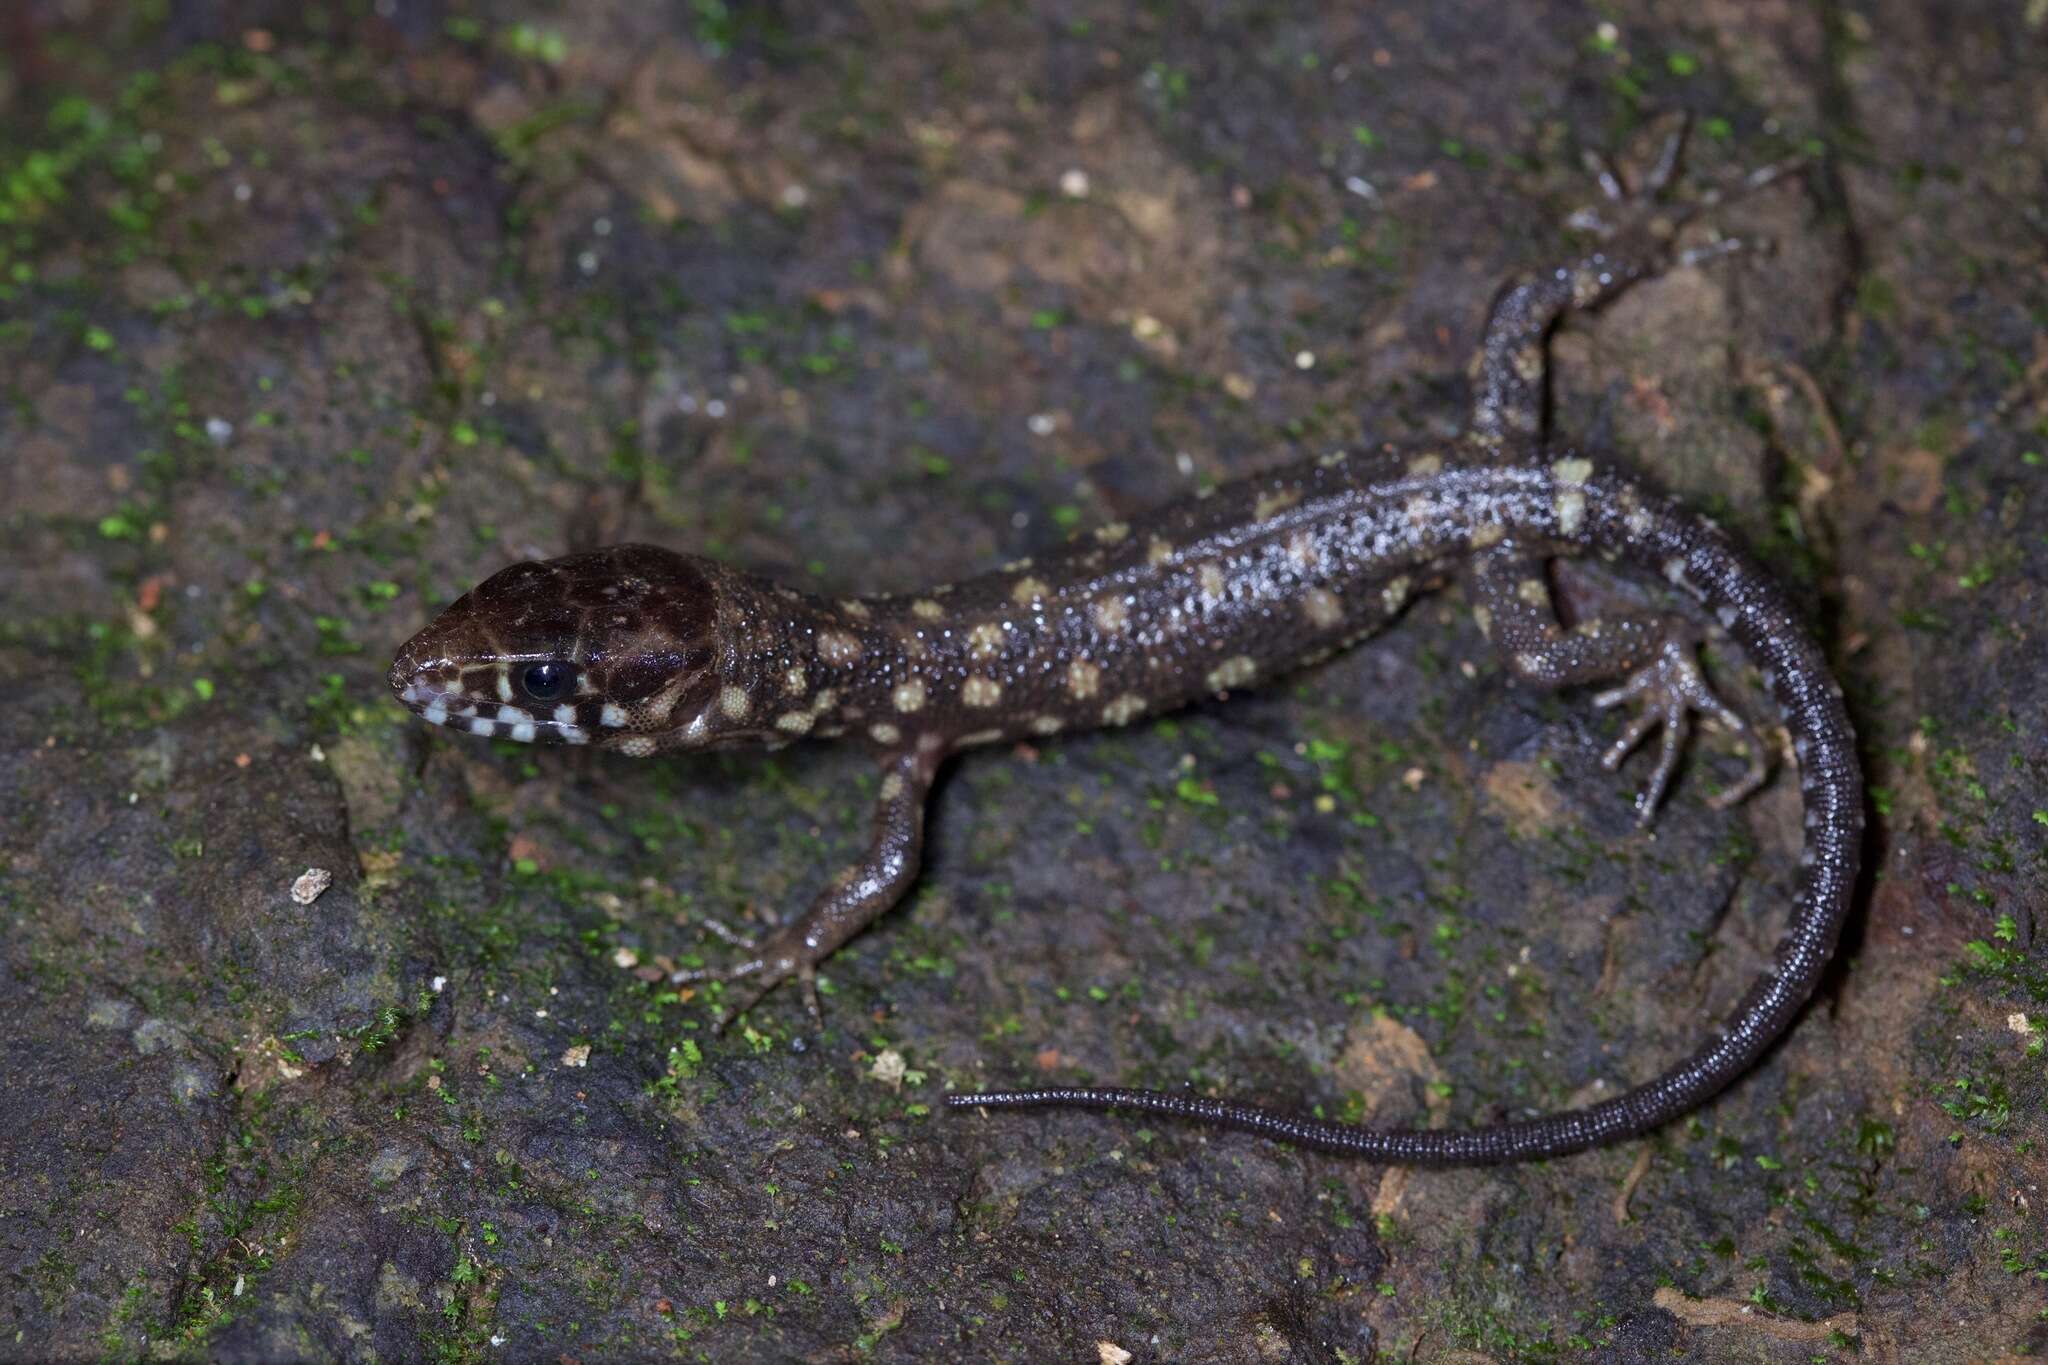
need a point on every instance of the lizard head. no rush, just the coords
(617, 648)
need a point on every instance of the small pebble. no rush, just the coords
(889, 1067)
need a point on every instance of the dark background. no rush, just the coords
(312, 315)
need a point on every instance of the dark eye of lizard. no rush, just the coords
(548, 681)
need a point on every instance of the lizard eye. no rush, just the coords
(548, 681)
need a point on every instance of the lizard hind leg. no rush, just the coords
(1670, 688)
(1635, 228)
(1653, 655)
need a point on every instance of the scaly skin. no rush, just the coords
(642, 651)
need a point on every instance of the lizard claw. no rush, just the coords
(768, 963)
(1644, 208)
(1615, 189)
(1671, 687)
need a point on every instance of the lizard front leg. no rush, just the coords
(847, 905)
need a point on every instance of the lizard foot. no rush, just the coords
(1644, 210)
(785, 952)
(1670, 688)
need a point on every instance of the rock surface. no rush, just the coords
(312, 316)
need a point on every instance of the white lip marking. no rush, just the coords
(512, 715)
(573, 734)
(435, 714)
(523, 732)
(504, 688)
(412, 693)
(482, 727)
(565, 714)
(466, 712)
(613, 715)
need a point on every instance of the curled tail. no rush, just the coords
(1610, 513)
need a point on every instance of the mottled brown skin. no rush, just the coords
(642, 650)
